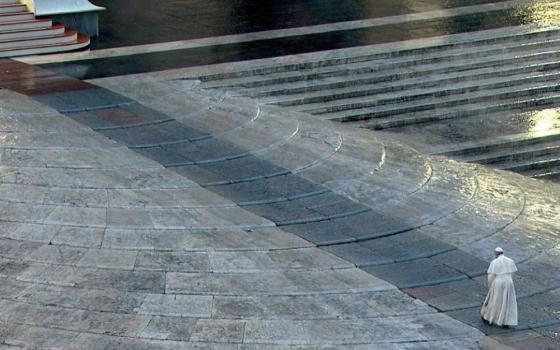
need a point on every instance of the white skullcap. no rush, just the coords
(498, 250)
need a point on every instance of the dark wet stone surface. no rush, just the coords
(88, 69)
(415, 273)
(152, 22)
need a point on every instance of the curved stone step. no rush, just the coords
(67, 37)
(362, 110)
(439, 63)
(43, 23)
(19, 16)
(56, 30)
(536, 164)
(325, 92)
(275, 283)
(12, 8)
(295, 93)
(552, 174)
(503, 158)
(479, 148)
(81, 42)
(383, 51)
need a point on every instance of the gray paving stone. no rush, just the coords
(358, 254)
(111, 259)
(73, 319)
(79, 236)
(83, 99)
(322, 232)
(131, 281)
(176, 305)
(283, 211)
(219, 331)
(173, 261)
(57, 255)
(10, 287)
(40, 338)
(245, 167)
(17, 249)
(107, 300)
(273, 283)
(327, 306)
(91, 120)
(169, 328)
(163, 156)
(145, 112)
(406, 246)
(462, 261)
(99, 342)
(128, 218)
(292, 259)
(275, 332)
(193, 172)
(205, 150)
(415, 273)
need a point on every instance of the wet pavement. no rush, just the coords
(223, 207)
(131, 22)
(146, 62)
(160, 215)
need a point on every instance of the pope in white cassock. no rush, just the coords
(500, 306)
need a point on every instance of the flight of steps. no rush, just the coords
(468, 75)
(534, 154)
(23, 34)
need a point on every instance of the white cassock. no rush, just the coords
(500, 306)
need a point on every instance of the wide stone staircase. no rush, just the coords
(505, 79)
(23, 34)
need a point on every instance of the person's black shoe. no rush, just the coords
(484, 320)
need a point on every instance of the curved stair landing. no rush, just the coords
(22, 34)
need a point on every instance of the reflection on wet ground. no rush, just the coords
(503, 121)
(89, 69)
(134, 22)
(476, 128)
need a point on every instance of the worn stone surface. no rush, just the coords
(360, 243)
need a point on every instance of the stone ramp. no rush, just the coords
(102, 247)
